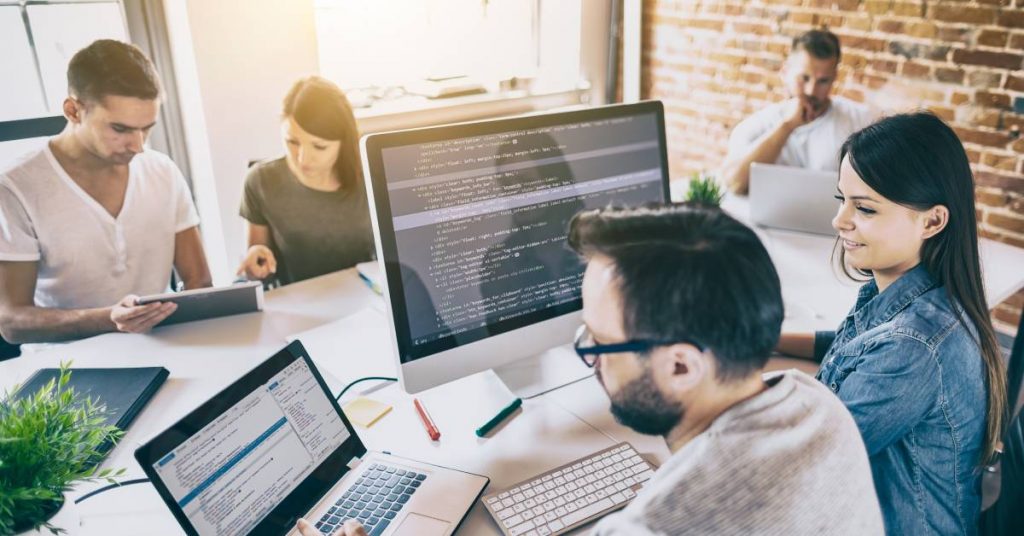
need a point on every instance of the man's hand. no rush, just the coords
(131, 318)
(350, 528)
(803, 110)
(259, 263)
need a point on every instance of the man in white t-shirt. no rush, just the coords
(805, 130)
(94, 219)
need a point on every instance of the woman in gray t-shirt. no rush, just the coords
(307, 212)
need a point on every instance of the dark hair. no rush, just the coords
(688, 271)
(821, 44)
(917, 161)
(322, 109)
(108, 67)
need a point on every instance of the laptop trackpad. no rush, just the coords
(422, 525)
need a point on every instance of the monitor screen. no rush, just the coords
(473, 217)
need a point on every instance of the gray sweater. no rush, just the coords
(787, 461)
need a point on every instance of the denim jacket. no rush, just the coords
(912, 376)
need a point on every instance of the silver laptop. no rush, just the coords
(794, 199)
(274, 446)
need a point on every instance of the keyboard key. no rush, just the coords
(326, 529)
(421, 477)
(325, 518)
(416, 483)
(579, 515)
(390, 514)
(403, 499)
(522, 528)
(390, 470)
(373, 520)
(405, 481)
(396, 507)
(379, 529)
(556, 525)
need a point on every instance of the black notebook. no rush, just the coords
(125, 391)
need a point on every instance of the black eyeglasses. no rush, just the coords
(589, 352)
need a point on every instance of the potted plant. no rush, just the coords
(704, 190)
(49, 440)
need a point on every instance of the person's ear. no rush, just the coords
(73, 110)
(935, 220)
(682, 367)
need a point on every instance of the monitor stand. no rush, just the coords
(545, 372)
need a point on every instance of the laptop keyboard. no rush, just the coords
(569, 496)
(374, 499)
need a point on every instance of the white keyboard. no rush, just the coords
(571, 495)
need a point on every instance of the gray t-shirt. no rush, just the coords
(313, 232)
(787, 461)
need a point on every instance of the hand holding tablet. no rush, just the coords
(203, 303)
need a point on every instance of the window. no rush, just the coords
(38, 39)
(399, 47)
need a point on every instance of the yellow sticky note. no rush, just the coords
(365, 411)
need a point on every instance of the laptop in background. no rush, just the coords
(274, 446)
(794, 199)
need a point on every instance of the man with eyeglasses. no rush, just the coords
(93, 217)
(682, 307)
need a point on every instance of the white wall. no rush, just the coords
(235, 60)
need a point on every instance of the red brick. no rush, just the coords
(884, 66)
(890, 26)
(955, 34)
(949, 76)
(961, 13)
(908, 9)
(916, 70)
(993, 38)
(1017, 41)
(1013, 224)
(1006, 315)
(1012, 18)
(973, 155)
(995, 199)
(1009, 183)
(985, 79)
(1002, 60)
(925, 30)
(982, 137)
(946, 114)
(958, 98)
(994, 100)
(1000, 161)
(877, 7)
(864, 43)
(855, 22)
(1015, 83)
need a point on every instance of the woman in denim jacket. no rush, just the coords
(916, 360)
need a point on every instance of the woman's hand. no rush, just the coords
(259, 263)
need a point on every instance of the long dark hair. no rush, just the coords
(917, 161)
(322, 109)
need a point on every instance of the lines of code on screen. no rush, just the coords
(480, 222)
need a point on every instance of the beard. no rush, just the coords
(641, 406)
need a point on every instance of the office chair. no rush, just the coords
(1004, 517)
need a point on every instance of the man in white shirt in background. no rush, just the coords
(805, 130)
(93, 218)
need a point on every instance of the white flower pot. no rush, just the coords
(67, 518)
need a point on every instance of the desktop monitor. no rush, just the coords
(471, 220)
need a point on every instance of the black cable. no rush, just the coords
(360, 380)
(110, 487)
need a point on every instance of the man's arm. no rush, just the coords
(766, 150)
(22, 322)
(190, 259)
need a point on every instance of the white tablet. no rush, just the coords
(203, 303)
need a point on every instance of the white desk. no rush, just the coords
(818, 297)
(550, 430)
(203, 357)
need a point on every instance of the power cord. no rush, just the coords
(110, 487)
(360, 380)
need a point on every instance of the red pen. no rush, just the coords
(428, 423)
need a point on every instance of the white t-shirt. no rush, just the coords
(87, 258)
(811, 146)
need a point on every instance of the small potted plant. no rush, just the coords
(49, 441)
(704, 190)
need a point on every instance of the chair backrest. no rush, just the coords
(1005, 516)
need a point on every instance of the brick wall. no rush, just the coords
(715, 62)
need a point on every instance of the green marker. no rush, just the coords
(496, 420)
